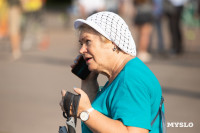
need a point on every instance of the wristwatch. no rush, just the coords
(85, 114)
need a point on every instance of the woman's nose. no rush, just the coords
(83, 49)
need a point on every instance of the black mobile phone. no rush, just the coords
(81, 69)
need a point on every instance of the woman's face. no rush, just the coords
(95, 51)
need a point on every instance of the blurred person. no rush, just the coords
(3, 18)
(70, 12)
(158, 14)
(112, 5)
(131, 97)
(34, 28)
(120, 7)
(174, 17)
(143, 20)
(88, 7)
(125, 10)
(191, 19)
(15, 15)
(198, 8)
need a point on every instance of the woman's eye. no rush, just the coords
(88, 42)
(80, 43)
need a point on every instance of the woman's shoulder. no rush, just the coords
(134, 62)
(134, 66)
(136, 71)
(130, 71)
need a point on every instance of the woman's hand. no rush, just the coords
(84, 102)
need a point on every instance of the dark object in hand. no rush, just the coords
(81, 69)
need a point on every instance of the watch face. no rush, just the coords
(84, 116)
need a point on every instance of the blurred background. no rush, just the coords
(38, 44)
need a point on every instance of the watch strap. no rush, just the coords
(90, 110)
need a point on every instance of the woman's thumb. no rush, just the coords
(77, 90)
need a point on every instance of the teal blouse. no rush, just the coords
(132, 98)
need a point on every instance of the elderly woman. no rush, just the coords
(130, 99)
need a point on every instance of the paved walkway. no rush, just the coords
(30, 87)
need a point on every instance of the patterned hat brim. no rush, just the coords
(80, 22)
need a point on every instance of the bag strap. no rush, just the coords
(162, 116)
(68, 99)
(71, 100)
(75, 106)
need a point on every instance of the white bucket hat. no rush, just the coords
(113, 27)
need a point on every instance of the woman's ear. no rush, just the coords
(115, 48)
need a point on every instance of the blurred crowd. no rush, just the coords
(22, 21)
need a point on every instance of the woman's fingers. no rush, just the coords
(78, 91)
(63, 92)
(84, 103)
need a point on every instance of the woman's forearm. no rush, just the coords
(99, 123)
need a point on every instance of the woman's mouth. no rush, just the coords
(88, 59)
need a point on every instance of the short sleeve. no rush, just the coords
(131, 104)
